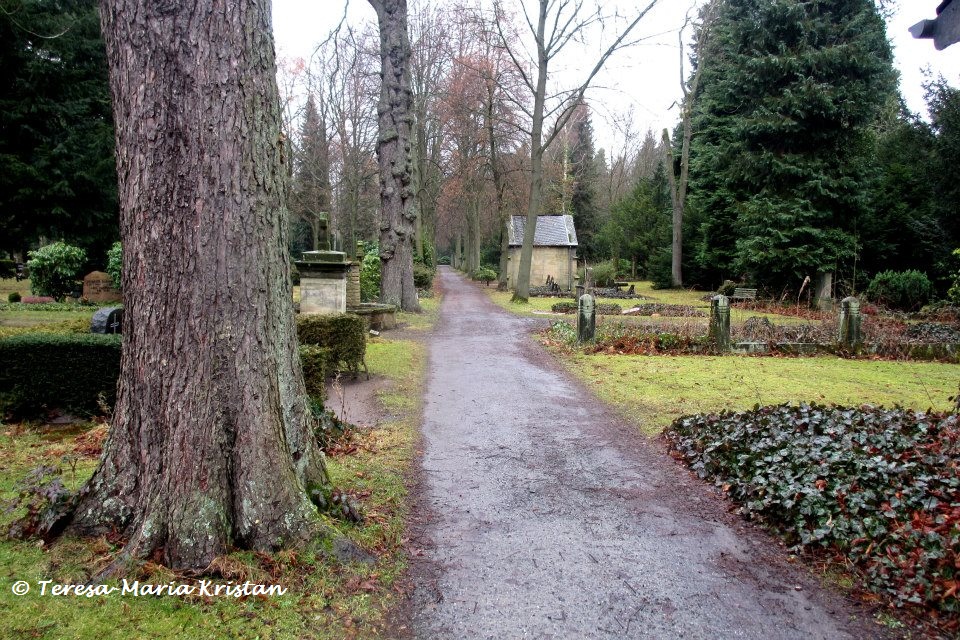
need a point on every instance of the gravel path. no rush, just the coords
(543, 515)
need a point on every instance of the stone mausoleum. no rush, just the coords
(554, 251)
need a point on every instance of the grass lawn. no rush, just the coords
(655, 390)
(325, 599)
(10, 285)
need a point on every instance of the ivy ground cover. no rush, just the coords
(878, 488)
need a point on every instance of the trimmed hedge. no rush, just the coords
(315, 361)
(40, 371)
(345, 335)
(70, 372)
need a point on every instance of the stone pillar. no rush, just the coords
(586, 319)
(588, 279)
(720, 322)
(353, 285)
(851, 333)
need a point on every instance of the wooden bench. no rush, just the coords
(744, 294)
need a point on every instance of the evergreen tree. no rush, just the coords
(57, 170)
(583, 202)
(943, 102)
(311, 185)
(780, 162)
(902, 231)
(638, 229)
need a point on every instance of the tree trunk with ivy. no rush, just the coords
(395, 111)
(211, 445)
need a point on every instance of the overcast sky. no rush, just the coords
(645, 77)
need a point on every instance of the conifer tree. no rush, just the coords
(780, 162)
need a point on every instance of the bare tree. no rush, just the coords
(398, 216)
(211, 445)
(557, 23)
(678, 189)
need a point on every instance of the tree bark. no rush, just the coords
(534, 203)
(395, 112)
(211, 445)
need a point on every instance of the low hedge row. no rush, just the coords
(880, 487)
(68, 371)
(345, 335)
(77, 372)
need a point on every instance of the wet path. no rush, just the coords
(547, 517)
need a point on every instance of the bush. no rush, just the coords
(70, 372)
(315, 362)
(905, 290)
(8, 269)
(486, 275)
(422, 276)
(445, 260)
(14, 297)
(370, 274)
(660, 268)
(54, 269)
(954, 293)
(880, 486)
(604, 274)
(345, 335)
(115, 264)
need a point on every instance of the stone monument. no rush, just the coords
(586, 319)
(720, 322)
(323, 276)
(98, 287)
(851, 331)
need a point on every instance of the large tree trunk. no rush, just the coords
(534, 204)
(211, 445)
(393, 152)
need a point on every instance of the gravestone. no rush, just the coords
(107, 320)
(851, 330)
(323, 277)
(586, 319)
(98, 287)
(720, 322)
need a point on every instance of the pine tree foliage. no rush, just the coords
(583, 201)
(780, 159)
(57, 170)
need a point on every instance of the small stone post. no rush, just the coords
(588, 279)
(586, 319)
(851, 333)
(720, 322)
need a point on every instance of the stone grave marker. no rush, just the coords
(107, 320)
(98, 287)
(851, 331)
(720, 322)
(586, 319)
